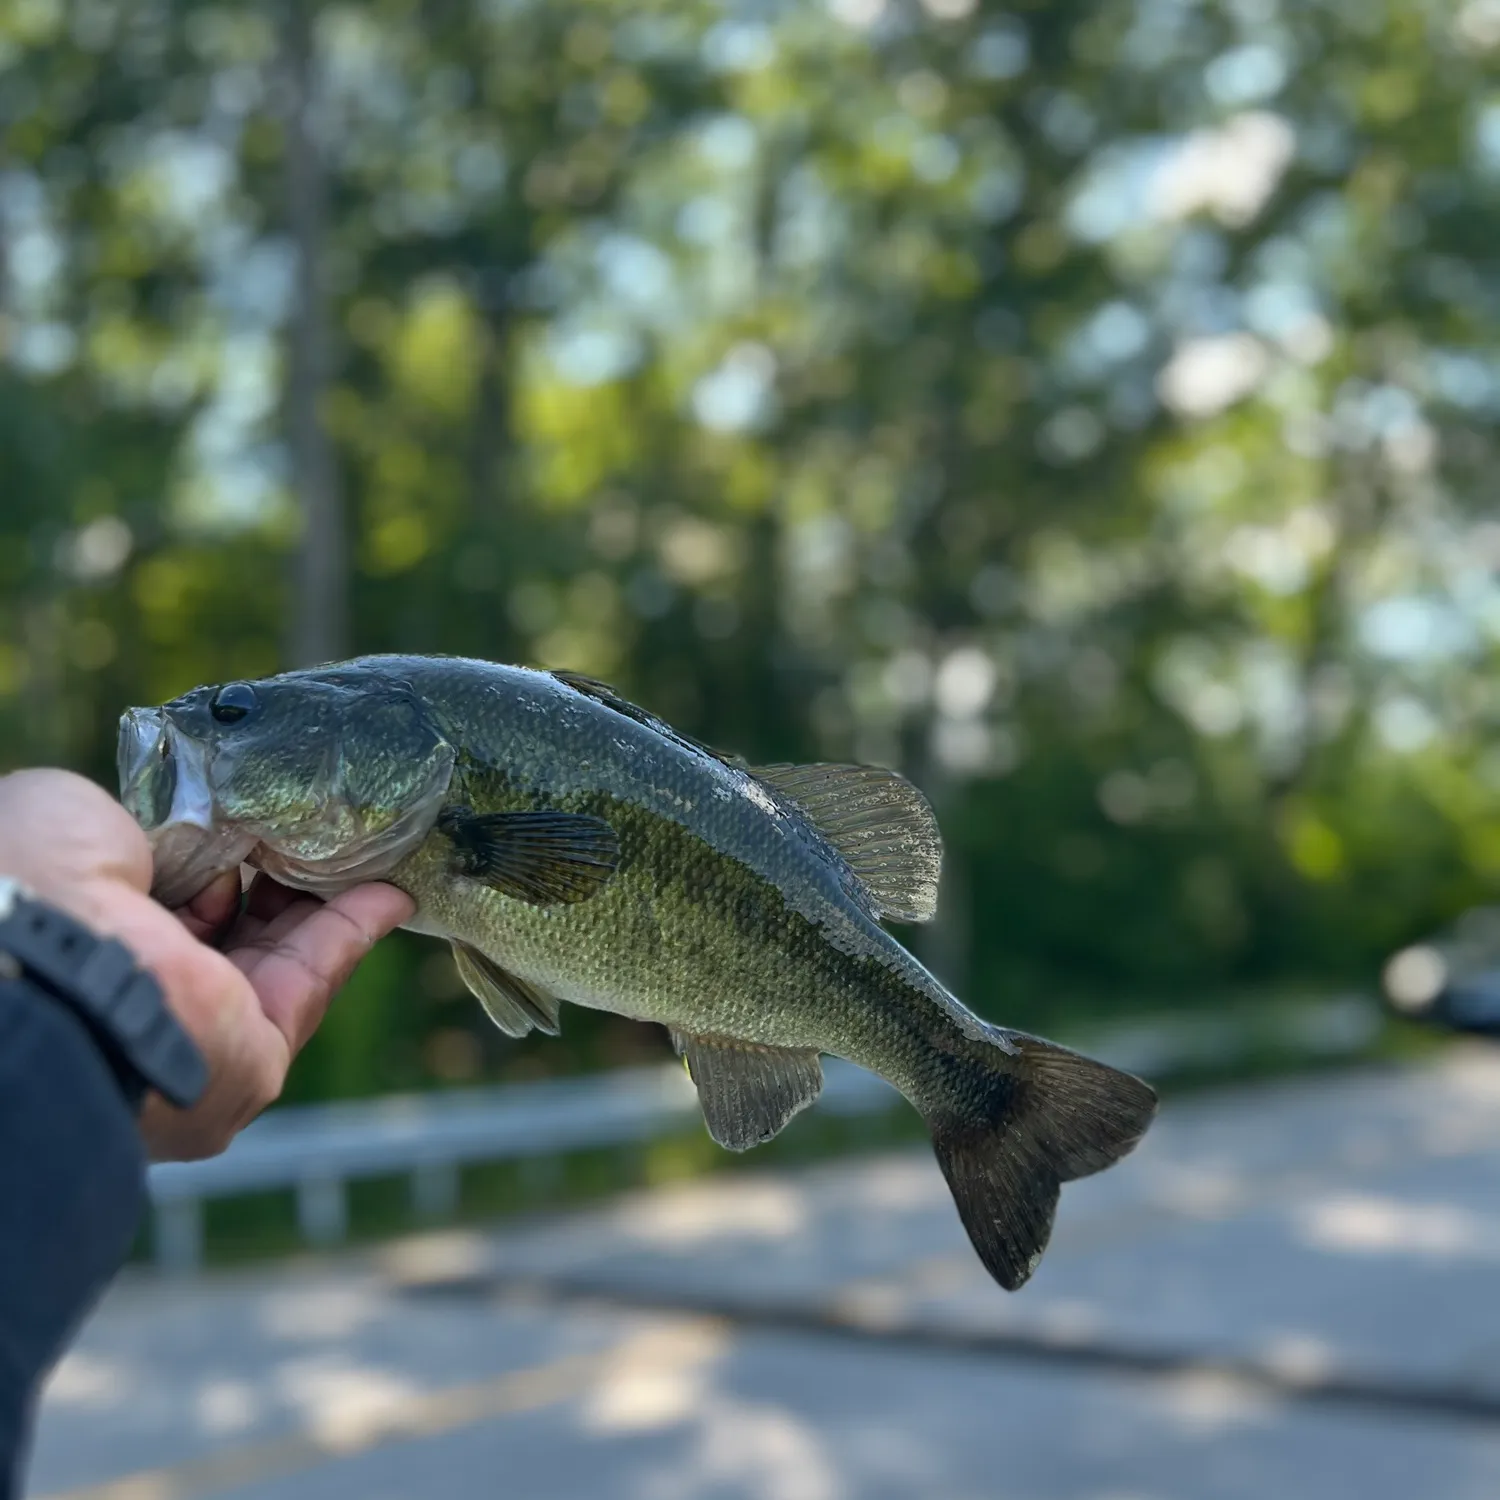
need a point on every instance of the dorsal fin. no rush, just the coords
(877, 820)
(881, 824)
(602, 692)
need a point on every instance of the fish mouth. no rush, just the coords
(165, 787)
(147, 767)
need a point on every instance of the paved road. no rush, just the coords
(1290, 1293)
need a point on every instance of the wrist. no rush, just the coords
(99, 980)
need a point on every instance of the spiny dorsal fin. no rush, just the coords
(602, 692)
(546, 858)
(748, 1092)
(880, 823)
(515, 1005)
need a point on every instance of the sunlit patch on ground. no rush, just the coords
(1386, 1226)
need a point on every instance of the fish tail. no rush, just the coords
(1029, 1118)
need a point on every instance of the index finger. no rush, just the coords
(210, 910)
(303, 956)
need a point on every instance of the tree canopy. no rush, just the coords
(1087, 408)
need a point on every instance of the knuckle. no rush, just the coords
(206, 1140)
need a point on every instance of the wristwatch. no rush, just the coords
(99, 980)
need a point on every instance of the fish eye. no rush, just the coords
(232, 702)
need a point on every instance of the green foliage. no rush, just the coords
(1087, 407)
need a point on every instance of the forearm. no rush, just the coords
(72, 1172)
(201, 1010)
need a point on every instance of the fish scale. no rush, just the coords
(575, 848)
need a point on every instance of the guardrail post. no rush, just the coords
(178, 1235)
(322, 1210)
(434, 1190)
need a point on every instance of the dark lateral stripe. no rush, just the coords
(1418, 1398)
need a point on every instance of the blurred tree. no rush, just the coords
(1086, 407)
(320, 597)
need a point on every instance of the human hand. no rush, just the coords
(251, 1003)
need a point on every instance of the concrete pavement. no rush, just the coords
(1288, 1292)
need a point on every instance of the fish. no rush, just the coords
(573, 847)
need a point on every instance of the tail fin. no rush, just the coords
(1044, 1118)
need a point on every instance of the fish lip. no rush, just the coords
(147, 766)
(154, 758)
(141, 731)
(165, 787)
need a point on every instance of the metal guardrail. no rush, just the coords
(317, 1150)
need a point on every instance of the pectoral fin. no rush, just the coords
(546, 858)
(748, 1092)
(514, 1005)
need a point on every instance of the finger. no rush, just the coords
(60, 828)
(268, 898)
(264, 901)
(250, 931)
(253, 931)
(213, 907)
(300, 960)
(271, 909)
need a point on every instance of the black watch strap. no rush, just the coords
(99, 978)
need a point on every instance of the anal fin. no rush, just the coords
(515, 1005)
(748, 1092)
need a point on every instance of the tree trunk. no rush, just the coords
(491, 439)
(44, 703)
(318, 624)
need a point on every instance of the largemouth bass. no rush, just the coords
(573, 847)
